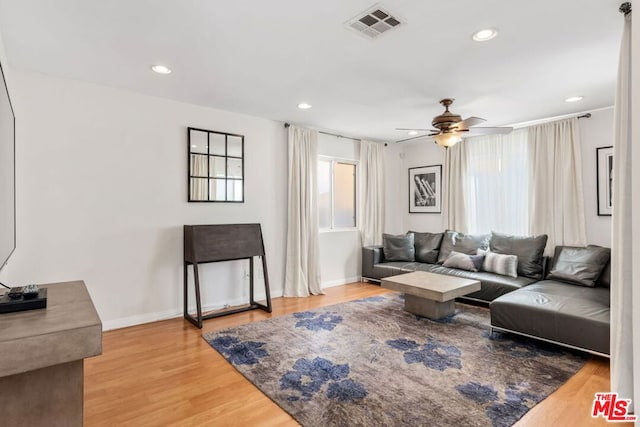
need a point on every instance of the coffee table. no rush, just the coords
(430, 295)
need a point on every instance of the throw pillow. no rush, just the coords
(579, 265)
(528, 249)
(427, 246)
(463, 243)
(464, 261)
(398, 248)
(505, 265)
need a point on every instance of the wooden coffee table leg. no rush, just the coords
(428, 308)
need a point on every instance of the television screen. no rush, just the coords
(7, 175)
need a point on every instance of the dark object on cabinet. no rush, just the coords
(223, 242)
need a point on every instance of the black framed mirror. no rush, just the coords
(216, 166)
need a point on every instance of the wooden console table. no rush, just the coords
(41, 358)
(222, 242)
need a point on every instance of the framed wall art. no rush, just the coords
(605, 180)
(425, 189)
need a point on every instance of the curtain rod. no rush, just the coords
(553, 119)
(286, 125)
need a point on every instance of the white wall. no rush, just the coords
(101, 188)
(595, 132)
(340, 251)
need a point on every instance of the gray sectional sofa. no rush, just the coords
(567, 305)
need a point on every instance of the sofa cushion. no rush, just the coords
(579, 265)
(427, 246)
(492, 285)
(387, 269)
(464, 261)
(398, 248)
(528, 249)
(506, 265)
(463, 243)
(557, 311)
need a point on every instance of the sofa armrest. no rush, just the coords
(371, 255)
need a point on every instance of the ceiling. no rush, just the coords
(264, 57)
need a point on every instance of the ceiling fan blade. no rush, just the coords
(414, 137)
(421, 130)
(489, 131)
(468, 122)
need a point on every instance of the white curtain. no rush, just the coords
(371, 192)
(556, 204)
(302, 276)
(454, 209)
(498, 183)
(625, 322)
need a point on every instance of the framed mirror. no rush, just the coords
(216, 166)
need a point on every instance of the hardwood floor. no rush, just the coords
(165, 374)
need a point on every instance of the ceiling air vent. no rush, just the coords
(373, 22)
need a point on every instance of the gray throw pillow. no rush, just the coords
(505, 265)
(464, 261)
(579, 265)
(463, 243)
(427, 246)
(398, 248)
(528, 249)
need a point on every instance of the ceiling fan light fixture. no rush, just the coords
(447, 139)
(485, 34)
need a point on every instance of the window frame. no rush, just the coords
(356, 206)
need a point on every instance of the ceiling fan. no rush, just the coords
(450, 128)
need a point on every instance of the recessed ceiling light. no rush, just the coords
(304, 106)
(574, 99)
(484, 35)
(161, 69)
(413, 132)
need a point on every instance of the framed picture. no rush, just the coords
(425, 189)
(605, 180)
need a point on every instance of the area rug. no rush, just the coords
(370, 363)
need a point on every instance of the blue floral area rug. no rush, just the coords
(370, 363)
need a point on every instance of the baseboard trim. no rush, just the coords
(339, 282)
(140, 319)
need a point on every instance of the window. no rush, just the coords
(497, 183)
(336, 193)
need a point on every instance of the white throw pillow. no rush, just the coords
(506, 265)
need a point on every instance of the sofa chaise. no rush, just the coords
(571, 307)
